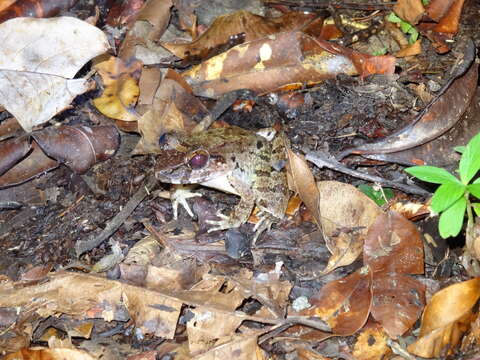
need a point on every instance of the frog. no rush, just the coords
(234, 160)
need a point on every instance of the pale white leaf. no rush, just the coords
(35, 98)
(57, 46)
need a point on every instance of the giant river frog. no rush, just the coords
(233, 160)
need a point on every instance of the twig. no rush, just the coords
(323, 160)
(113, 225)
(334, 4)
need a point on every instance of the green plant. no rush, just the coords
(452, 197)
(405, 26)
(380, 196)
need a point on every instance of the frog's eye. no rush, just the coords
(198, 160)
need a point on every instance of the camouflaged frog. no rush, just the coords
(233, 160)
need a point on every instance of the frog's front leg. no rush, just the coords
(242, 210)
(179, 196)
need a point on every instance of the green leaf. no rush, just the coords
(451, 220)
(476, 208)
(413, 35)
(470, 161)
(446, 195)
(392, 17)
(405, 26)
(425, 2)
(432, 174)
(379, 52)
(474, 189)
(376, 195)
(459, 149)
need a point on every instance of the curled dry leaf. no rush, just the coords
(409, 10)
(446, 317)
(346, 215)
(35, 164)
(38, 58)
(79, 147)
(344, 304)
(437, 118)
(150, 23)
(12, 151)
(174, 108)
(121, 91)
(270, 63)
(304, 184)
(241, 22)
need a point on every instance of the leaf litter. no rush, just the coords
(338, 266)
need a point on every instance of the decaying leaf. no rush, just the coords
(409, 10)
(38, 58)
(304, 184)
(121, 90)
(393, 245)
(79, 147)
(174, 108)
(346, 215)
(446, 317)
(344, 304)
(12, 151)
(371, 343)
(252, 27)
(52, 354)
(437, 118)
(270, 63)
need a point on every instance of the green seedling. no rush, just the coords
(405, 26)
(452, 198)
(380, 196)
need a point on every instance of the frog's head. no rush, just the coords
(189, 160)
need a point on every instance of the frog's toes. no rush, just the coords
(223, 224)
(179, 197)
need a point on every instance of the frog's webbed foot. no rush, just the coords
(225, 222)
(179, 196)
(265, 221)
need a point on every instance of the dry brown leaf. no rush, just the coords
(252, 27)
(393, 245)
(39, 353)
(344, 304)
(304, 183)
(121, 90)
(371, 343)
(409, 10)
(174, 108)
(410, 50)
(270, 63)
(446, 317)
(150, 23)
(346, 215)
(206, 327)
(450, 22)
(398, 301)
(238, 347)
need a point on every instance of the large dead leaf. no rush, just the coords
(346, 215)
(252, 27)
(270, 63)
(121, 90)
(446, 317)
(398, 301)
(241, 347)
(38, 58)
(437, 118)
(393, 245)
(39, 353)
(344, 304)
